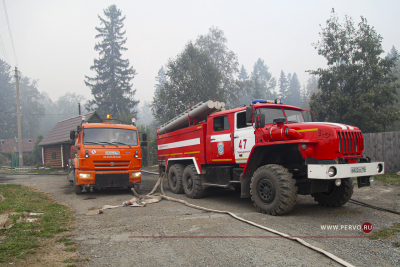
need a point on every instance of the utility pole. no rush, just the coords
(20, 158)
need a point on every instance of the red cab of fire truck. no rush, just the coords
(104, 155)
(268, 151)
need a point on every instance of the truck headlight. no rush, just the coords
(332, 171)
(338, 182)
(84, 175)
(379, 168)
(136, 174)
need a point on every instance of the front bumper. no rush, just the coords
(321, 171)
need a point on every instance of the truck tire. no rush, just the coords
(337, 196)
(192, 183)
(77, 189)
(175, 178)
(273, 190)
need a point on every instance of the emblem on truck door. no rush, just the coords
(220, 148)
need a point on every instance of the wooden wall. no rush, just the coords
(384, 147)
(56, 163)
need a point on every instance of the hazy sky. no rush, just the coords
(54, 40)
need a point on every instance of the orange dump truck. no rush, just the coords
(105, 155)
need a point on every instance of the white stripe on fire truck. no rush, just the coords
(220, 138)
(190, 142)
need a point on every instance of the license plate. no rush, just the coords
(358, 169)
(112, 152)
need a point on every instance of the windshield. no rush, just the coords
(271, 114)
(110, 136)
(293, 115)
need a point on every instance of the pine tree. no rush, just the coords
(283, 85)
(111, 87)
(294, 91)
(263, 82)
(243, 76)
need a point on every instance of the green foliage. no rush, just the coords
(31, 108)
(214, 44)
(111, 87)
(283, 85)
(263, 82)
(37, 151)
(149, 153)
(192, 78)
(24, 238)
(245, 87)
(2, 159)
(27, 159)
(358, 87)
(294, 96)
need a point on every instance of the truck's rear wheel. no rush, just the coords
(192, 182)
(273, 190)
(337, 196)
(175, 178)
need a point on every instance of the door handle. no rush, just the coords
(212, 139)
(235, 137)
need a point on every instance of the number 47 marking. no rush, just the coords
(244, 144)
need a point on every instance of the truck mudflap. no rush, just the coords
(339, 171)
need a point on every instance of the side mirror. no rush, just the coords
(249, 114)
(144, 137)
(72, 135)
(260, 121)
(143, 144)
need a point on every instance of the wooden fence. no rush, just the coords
(384, 147)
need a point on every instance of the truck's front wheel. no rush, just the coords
(273, 190)
(192, 182)
(337, 196)
(77, 189)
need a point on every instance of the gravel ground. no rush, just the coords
(106, 239)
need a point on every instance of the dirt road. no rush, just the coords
(111, 239)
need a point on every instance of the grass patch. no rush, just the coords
(24, 238)
(396, 244)
(388, 179)
(70, 249)
(64, 239)
(68, 260)
(386, 232)
(42, 171)
(69, 243)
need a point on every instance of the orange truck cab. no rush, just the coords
(105, 155)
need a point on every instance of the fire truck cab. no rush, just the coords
(268, 151)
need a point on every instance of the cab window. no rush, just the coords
(241, 120)
(221, 123)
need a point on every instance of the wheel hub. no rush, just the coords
(266, 190)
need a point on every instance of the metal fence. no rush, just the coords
(384, 147)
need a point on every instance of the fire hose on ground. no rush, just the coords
(140, 201)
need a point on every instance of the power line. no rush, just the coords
(9, 30)
(4, 51)
(39, 113)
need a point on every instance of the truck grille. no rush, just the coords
(111, 164)
(350, 141)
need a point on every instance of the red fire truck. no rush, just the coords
(268, 150)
